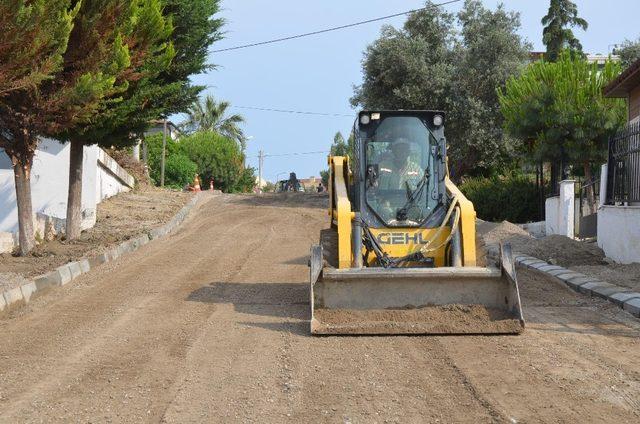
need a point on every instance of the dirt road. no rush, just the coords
(211, 325)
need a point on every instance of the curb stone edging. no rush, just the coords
(623, 297)
(64, 274)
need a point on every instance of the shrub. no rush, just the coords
(179, 171)
(512, 198)
(209, 154)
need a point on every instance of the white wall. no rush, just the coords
(560, 211)
(101, 178)
(619, 232)
(111, 179)
(49, 184)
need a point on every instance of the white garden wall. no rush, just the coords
(619, 232)
(560, 211)
(102, 178)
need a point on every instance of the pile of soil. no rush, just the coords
(586, 258)
(449, 319)
(119, 218)
(554, 249)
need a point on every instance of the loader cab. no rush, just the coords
(400, 177)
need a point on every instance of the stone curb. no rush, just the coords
(64, 274)
(623, 297)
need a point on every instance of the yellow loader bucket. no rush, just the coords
(446, 300)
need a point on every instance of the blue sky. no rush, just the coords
(318, 73)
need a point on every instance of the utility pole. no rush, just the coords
(260, 162)
(164, 148)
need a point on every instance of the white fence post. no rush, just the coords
(604, 173)
(567, 208)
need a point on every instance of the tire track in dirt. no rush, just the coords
(93, 347)
(226, 339)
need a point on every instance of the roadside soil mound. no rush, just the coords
(586, 258)
(554, 249)
(119, 218)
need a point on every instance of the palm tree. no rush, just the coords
(210, 115)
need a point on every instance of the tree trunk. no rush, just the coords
(591, 197)
(22, 175)
(74, 200)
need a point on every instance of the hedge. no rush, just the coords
(512, 198)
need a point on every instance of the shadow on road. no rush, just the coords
(282, 300)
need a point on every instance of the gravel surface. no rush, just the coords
(211, 324)
(119, 218)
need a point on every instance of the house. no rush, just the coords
(600, 59)
(627, 86)
(619, 213)
(310, 183)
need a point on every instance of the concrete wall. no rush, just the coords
(102, 178)
(619, 232)
(560, 211)
(536, 229)
(111, 179)
(49, 184)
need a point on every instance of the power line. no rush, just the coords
(322, 31)
(292, 154)
(294, 111)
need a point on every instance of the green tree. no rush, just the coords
(141, 27)
(340, 146)
(559, 109)
(195, 29)
(211, 115)
(629, 52)
(94, 54)
(324, 175)
(557, 34)
(170, 45)
(427, 65)
(34, 38)
(179, 169)
(218, 158)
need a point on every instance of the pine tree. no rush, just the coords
(162, 89)
(35, 36)
(142, 28)
(557, 34)
(42, 26)
(94, 63)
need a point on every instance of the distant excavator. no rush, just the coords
(400, 256)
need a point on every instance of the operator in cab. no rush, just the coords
(398, 168)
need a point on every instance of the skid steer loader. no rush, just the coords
(400, 256)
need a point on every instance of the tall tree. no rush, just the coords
(560, 110)
(159, 85)
(427, 65)
(211, 115)
(195, 28)
(141, 27)
(557, 34)
(69, 95)
(628, 51)
(34, 36)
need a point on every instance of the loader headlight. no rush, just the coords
(438, 120)
(365, 119)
